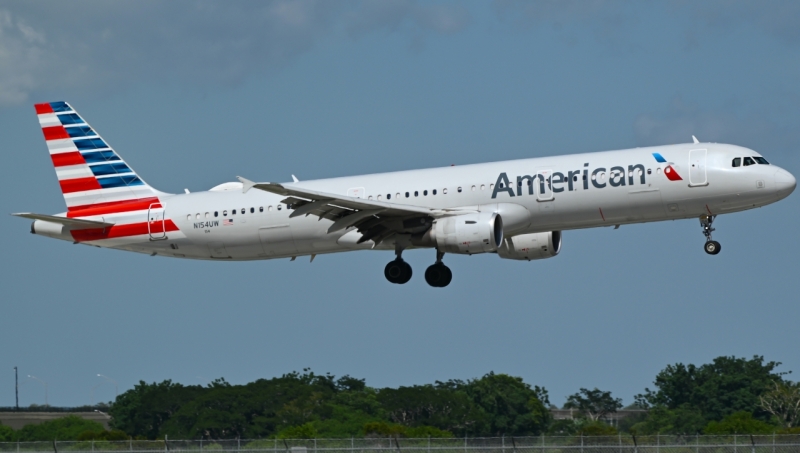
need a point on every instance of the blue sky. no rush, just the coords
(194, 93)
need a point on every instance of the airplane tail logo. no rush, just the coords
(93, 177)
(672, 175)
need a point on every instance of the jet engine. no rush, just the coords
(533, 246)
(478, 232)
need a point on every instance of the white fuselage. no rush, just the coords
(207, 227)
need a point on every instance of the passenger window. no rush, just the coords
(369, 197)
(761, 160)
(197, 216)
(425, 192)
(216, 213)
(225, 213)
(748, 161)
(279, 207)
(207, 216)
(233, 212)
(252, 210)
(459, 190)
(388, 196)
(269, 208)
(737, 162)
(261, 209)
(473, 188)
(416, 194)
(397, 195)
(243, 210)
(434, 191)
(649, 171)
(444, 191)
(380, 197)
(406, 194)
(188, 217)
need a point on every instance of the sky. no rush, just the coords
(192, 94)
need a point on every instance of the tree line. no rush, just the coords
(728, 396)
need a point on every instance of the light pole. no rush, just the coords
(116, 389)
(16, 387)
(45, 387)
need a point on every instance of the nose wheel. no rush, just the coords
(711, 246)
(438, 275)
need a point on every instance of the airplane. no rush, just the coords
(515, 209)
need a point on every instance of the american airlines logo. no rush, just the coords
(557, 182)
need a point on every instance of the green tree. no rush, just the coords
(783, 402)
(718, 389)
(593, 404)
(143, 410)
(662, 420)
(7, 434)
(65, 428)
(739, 423)
(513, 407)
(304, 431)
(426, 405)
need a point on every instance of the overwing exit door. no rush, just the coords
(155, 222)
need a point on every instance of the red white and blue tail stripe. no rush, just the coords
(95, 181)
(93, 178)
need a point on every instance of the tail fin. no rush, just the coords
(94, 179)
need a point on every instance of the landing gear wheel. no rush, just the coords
(712, 247)
(438, 275)
(397, 271)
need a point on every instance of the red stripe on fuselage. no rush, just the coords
(79, 184)
(43, 108)
(54, 133)
(64, 159)
(118, 231)
(113, 207)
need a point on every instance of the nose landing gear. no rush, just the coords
(438, 275)
(711, 247)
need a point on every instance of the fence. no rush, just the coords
(542, 444)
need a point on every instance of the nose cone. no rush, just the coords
(784, 183)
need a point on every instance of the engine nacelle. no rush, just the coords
(480, 232)
(535, 246)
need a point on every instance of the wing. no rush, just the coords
(375, 220)
(73, 224)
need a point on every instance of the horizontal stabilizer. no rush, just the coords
(72, 224)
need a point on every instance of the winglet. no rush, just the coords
(246, 184)
(695, 139)
(294, 178)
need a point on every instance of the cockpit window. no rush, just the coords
(761, 160)
(737, 162)
(748, 161)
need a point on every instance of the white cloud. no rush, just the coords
(97, 45)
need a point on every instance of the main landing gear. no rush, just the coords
(711, 247)
(438, 275)
(399, 272)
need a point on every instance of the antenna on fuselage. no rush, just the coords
(294, 178)
(695, 139)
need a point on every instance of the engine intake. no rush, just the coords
(480, 232)
(535, 246)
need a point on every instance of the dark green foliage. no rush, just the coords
(593, 404)
(715, 390)
(662, 420)
(66, 428)
(512, 407)
(739, 423)
(7, 434)
(143, 410)
(426, 405)
(103, 435)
